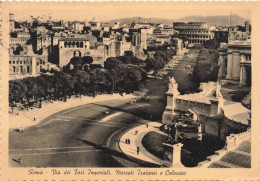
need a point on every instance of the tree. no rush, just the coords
(113, 78)
(112, 63)
(128, 54)
(82, 79)
(97, 76)
(134, 76)
(87, 60)
(76, 62)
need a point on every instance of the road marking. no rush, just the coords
(54, 148)
(47, 122)
(103, 124)
(111, 136)
(110, 116)
(53, 153)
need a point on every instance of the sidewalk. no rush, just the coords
(136, 141)
(26, 118)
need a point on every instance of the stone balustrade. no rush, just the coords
(232, 143)
(233, 140)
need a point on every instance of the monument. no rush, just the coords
(172, 93)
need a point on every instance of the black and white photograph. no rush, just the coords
(109, 86)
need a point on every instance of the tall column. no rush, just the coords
(34, 71)
(229, 66)
(221, 66)
(236, 65)
(243, 76)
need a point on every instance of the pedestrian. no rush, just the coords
(136, 132)
(147, 125)
(34, 119)
(128, 141)
(137, 150)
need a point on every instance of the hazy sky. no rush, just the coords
(105, 12)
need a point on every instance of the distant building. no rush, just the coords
(19, 39)
(13, 25)
(235, 57)
(235, 62)
(195, 32)
(27, 62)
(71, 47)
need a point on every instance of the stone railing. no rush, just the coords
(232, 142)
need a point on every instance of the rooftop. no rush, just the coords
(73, 39)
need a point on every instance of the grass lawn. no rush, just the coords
(152, 142)
(192, 151)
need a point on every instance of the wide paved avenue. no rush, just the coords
(84, 136)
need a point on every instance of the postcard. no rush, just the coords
(129, 90)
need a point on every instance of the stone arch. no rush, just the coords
(77, 53)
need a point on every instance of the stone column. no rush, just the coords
(221, 65)
(34, 67)
(229, 66)
(236, 65)
(176, 155)
(243, 76)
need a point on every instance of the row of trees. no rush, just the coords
(116, 76)
(160, 59)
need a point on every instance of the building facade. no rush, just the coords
(235, 62)
(195, 32)
(71, 47)
(27, 63)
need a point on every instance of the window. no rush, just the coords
(14, 69)
(13, 62)
(21, 62)
(10, 62)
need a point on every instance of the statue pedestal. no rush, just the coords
(172, 154)
(168, 114)
(167, 117)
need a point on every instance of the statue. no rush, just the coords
(173, 87)
(218, 93)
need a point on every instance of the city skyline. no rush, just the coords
(104, 14)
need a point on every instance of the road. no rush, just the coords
(85, 136)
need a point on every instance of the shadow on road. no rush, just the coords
(109, 151)
(139, 114)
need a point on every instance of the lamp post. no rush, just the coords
(40, 105)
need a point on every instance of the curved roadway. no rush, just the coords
(84, 136)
